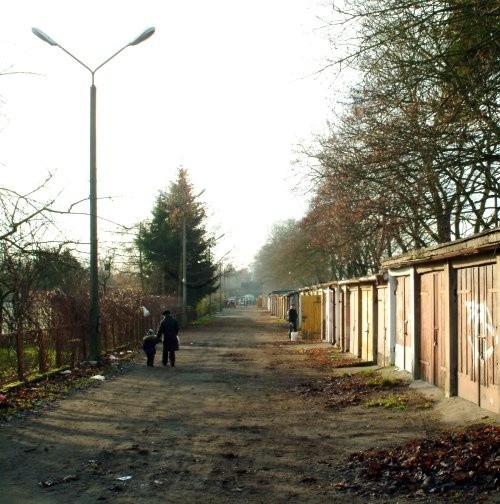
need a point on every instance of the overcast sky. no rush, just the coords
(224, 88)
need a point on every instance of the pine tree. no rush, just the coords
(160, 244)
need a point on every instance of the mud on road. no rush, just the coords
(227, 424)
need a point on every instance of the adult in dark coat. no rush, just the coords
(169, 328)
(292, 320)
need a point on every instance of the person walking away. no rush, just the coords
(292, 320)
(168, 330)
(149, 346)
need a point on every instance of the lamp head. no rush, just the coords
(43, 36)
(143, 36)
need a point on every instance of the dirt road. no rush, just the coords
(225, 425)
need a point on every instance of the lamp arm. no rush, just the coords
(75, 58)
(87, 67)
(109, 59)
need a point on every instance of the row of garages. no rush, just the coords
(432, 312)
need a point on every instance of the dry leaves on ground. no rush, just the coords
(365, 387)
(329, 358)
(459, 463)
(28, 397)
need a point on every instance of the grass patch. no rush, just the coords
(367, 388)
(400, 402)
(391, 382)
(380, 382)
(391, 401)
(205, 319)
(31, 363)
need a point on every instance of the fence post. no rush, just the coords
(58, 346)
(42, 354)
(20, 356)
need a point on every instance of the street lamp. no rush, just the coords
(94, 318)
(220, 286)
(221, 276)
(213, 241)
(184, 266)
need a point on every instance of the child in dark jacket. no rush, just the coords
(149, 346)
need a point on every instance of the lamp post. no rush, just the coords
(221, 276)
(184, 266)
(213, 242)
(94, 322)
(220, 286)
(184, 273)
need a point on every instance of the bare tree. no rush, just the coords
(30, 244)
(289, 259)
(415, 158)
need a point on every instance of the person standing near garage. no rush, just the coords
(292, 320)
(168, 331)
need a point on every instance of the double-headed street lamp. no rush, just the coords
(94, 322)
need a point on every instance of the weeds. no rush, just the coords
(391, 401)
